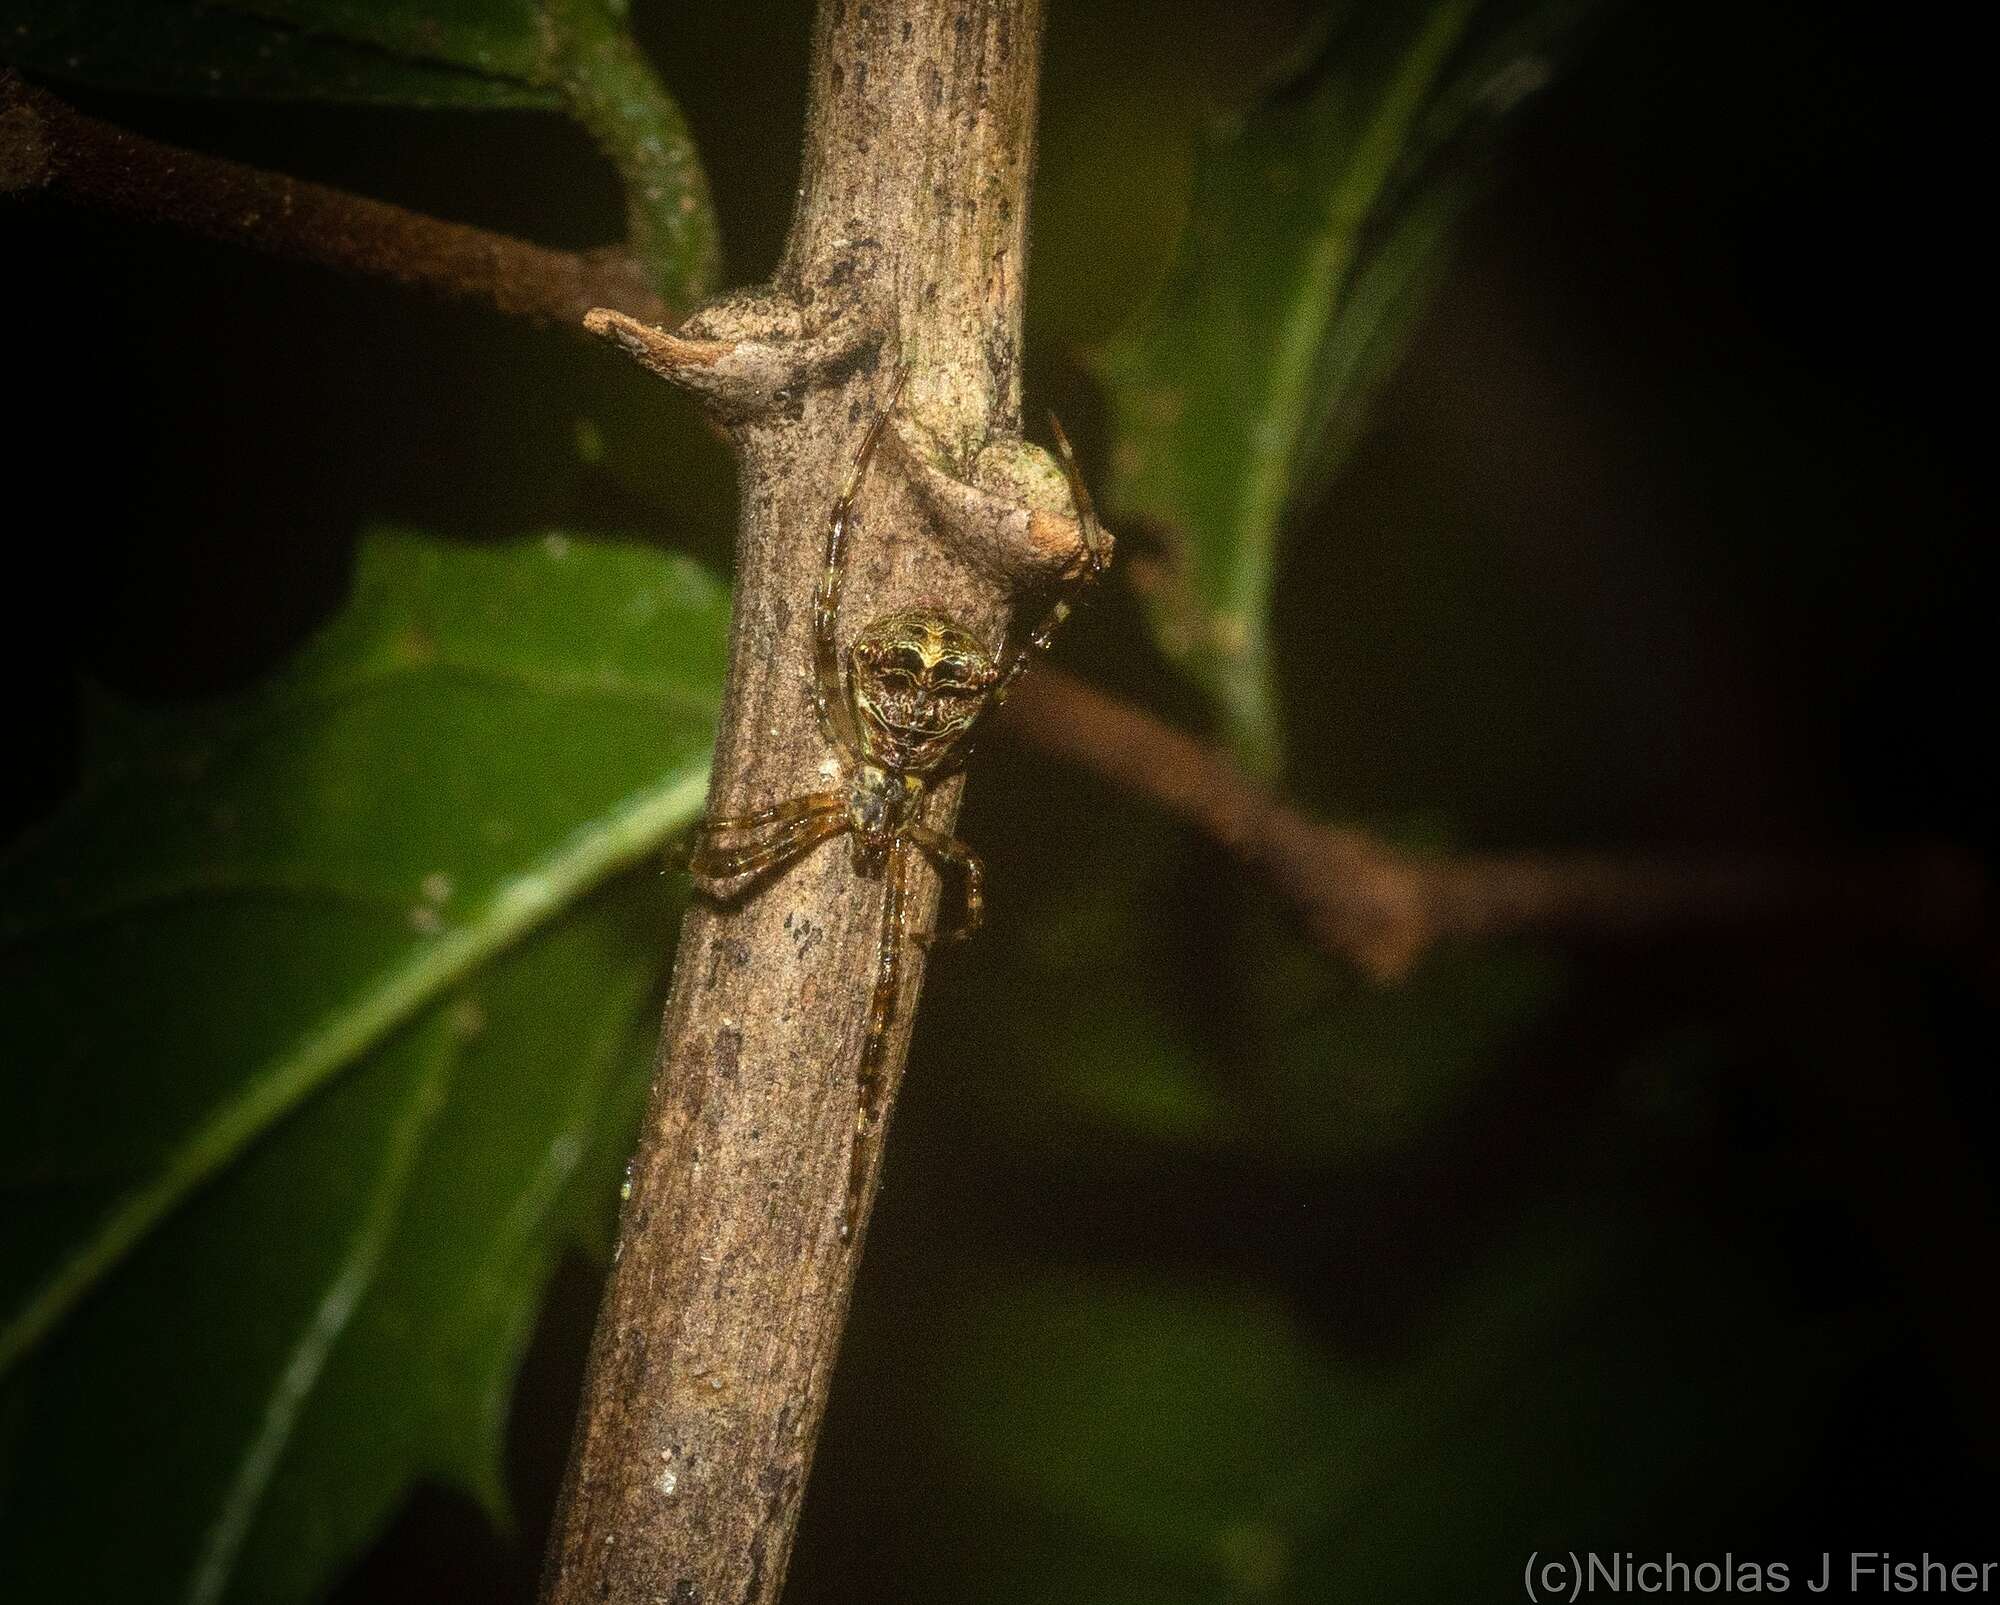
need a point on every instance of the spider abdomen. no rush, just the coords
(917, 684)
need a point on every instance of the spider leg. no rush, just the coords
(881, 1015)
(949, 852)
(836, 718)
(750, 860)
(704, 849)
(1079, 495)
(1086, 521)
(817, 802)
(710, 845)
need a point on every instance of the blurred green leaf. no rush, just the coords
(1319, 223)
(323, 1051)
(498, 38)
(1112, 179)
(609, 86)
(183, 47)
(343, 1312)
(1252, 1044)
(1351, 1072)
(244, 900)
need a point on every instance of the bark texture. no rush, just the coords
(716, 1342)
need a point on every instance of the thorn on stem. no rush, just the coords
(745, 355)
(1006, 517)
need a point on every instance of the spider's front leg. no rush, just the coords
(890, 957)
(1096, 563)
(830, 699)
(775, 837)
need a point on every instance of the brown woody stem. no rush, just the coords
(1008, 513)
(722, 1318)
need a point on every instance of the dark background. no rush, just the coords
(1664, 535)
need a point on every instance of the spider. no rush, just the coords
(898, 708)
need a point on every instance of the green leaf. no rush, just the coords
(499, 38)
(1319, 225)
(183, 47)
(234, 1309)
(363, 1285)
(243, 901)
(321, 1018)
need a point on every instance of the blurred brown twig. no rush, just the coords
(1384, 907)
(49, 147)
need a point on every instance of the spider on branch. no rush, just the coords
(898, 708)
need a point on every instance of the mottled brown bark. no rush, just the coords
(720, 1325)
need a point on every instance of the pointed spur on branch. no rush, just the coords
(750, 354)
(1010, 514)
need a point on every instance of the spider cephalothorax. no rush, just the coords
(897, 707)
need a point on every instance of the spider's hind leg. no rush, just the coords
(889, 963)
